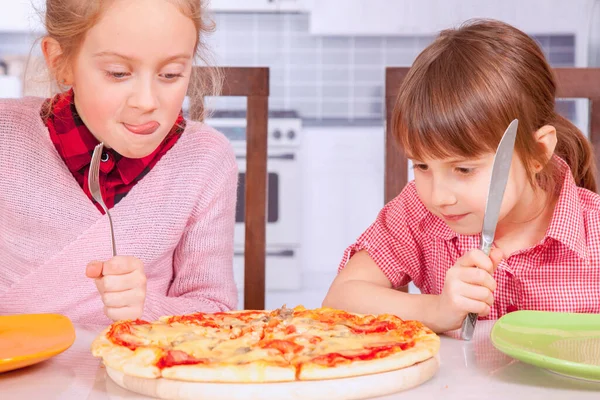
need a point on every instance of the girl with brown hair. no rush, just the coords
(452, 109)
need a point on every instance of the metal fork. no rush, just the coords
(94, 186)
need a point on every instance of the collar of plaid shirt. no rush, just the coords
(566, 227)
(75, 144)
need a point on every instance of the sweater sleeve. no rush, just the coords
(203, 261)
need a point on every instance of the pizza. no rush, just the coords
(282, 345)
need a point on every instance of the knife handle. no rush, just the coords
(468, 327)
(486, 245)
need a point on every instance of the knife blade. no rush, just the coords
(500, 171)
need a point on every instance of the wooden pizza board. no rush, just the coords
(360, 387)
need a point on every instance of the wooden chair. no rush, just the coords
(571, 83)
(253, 83)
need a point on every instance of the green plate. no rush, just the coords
(565, 343)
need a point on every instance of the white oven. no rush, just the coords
(283, 197)
(283, 211)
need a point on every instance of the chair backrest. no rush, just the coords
(571, 83)
(253, 83)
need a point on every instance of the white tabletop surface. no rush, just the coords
(468, 370)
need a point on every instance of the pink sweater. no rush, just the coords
(179, 220)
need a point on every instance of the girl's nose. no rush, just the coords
(442, 194)
(143, 97)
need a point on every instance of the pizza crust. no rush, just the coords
(244, 373)
(424, 348)
(140, 363)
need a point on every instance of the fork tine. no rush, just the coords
(97, 152)
(95, 167)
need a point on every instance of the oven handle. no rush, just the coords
(281, 253)
(285, 156)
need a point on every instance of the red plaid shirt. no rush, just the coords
(561, 273)
(75, 144)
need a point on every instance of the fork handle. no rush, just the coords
(112, 235)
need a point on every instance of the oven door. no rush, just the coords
(282, 269)
(283, 198)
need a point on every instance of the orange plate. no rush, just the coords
(28, 339)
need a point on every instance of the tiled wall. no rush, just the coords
(323, 78)
(337, 78)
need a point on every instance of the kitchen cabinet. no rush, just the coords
(256, 5)
(26, 15)
(426, 17)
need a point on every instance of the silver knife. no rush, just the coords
(500, 170)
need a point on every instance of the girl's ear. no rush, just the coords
(546, 138)
(53, 54)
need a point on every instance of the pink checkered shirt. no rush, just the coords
(561, 273)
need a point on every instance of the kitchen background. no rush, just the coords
(327, 60)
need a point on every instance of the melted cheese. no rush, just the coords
(235, 341)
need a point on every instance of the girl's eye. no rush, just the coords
(420, 167)
(464, 170)
(172, 76)
(117, 75)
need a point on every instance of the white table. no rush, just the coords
(469, 370)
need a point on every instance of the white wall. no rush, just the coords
(343, 169)
(20, 15)
(343, 177)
